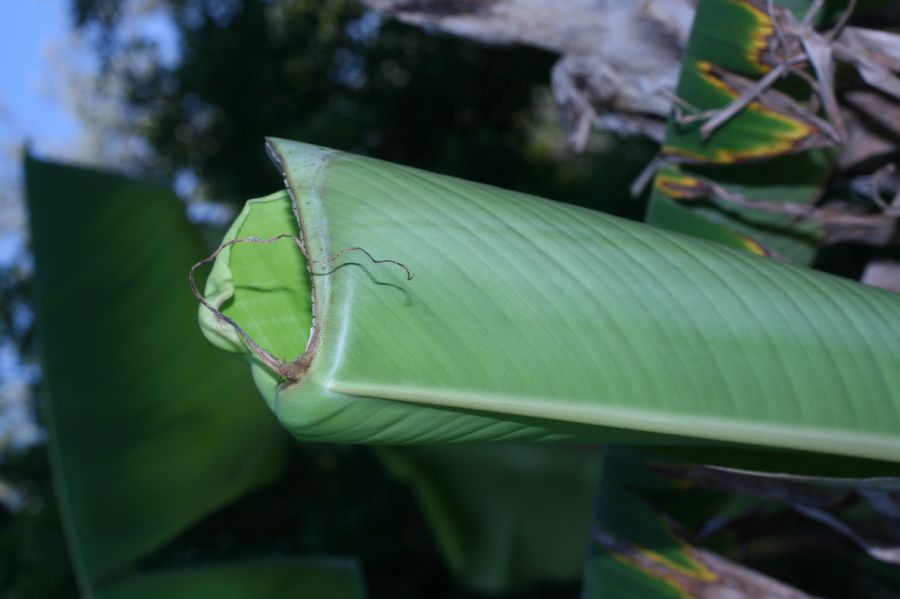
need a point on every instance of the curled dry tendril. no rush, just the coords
(288, 370)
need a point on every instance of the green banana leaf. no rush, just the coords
(295, 578)
(150, 428)
(485, 505)
(528, 320)
(766, 152)
(636, 552)
(503, 516)
(664, 528)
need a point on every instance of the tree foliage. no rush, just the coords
(333, 74)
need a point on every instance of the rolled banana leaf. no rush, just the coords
(418, 308)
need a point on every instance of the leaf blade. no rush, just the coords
(149, 427)
(530, 320)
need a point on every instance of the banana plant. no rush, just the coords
(412, 307)
(486, 506)
(759, 125)
(150, 430)
(744, 159)
(135, 470)
(386, 305)
(772, 151)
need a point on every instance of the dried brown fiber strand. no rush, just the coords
(289, 370)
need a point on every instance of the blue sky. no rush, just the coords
(27, 29)
(28, 111)
(31, 94)
(40, 56)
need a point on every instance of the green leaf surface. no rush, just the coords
(532, 320)
(504, 516)
(755, 133)
(767, 151)
(795, 179)
(732, 44)
(257, 268)
(313, 578)
(635, 551)
(150, 428)
(653, 513)
(666, 213)
(485, 505)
